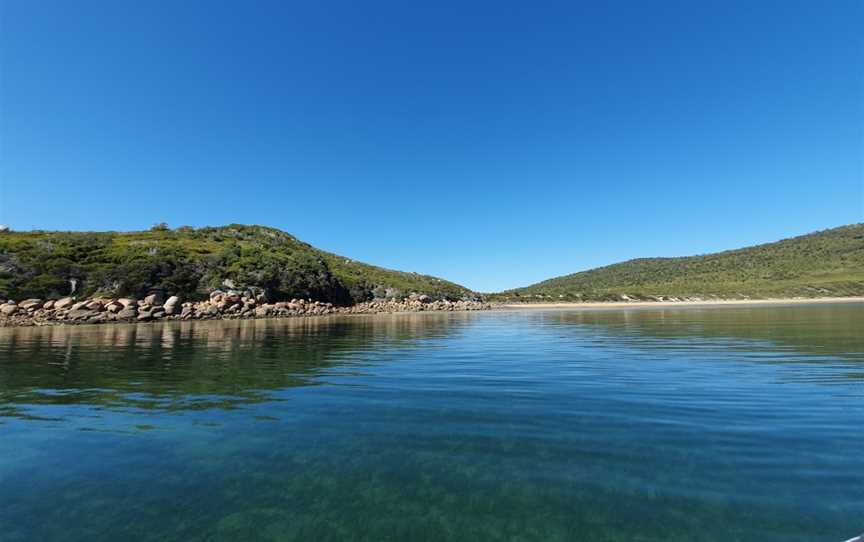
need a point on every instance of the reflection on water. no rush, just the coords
(194, 364)
(734, 423)
(818, 329)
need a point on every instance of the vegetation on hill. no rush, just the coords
(822, 264)
(193, 261)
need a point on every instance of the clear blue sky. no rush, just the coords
(492, 143)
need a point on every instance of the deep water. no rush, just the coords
(722, 424)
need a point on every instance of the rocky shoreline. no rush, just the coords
(221, 306)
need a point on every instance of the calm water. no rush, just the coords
(743, 424)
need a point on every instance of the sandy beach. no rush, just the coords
(612, 305)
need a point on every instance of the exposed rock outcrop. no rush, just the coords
(221, 305)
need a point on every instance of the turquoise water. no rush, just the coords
(743, 424)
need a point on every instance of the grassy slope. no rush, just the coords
(826, 263)
(191, 262)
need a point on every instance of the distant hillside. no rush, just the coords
(826, 263)
(191, 262)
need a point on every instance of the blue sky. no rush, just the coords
(492, 143)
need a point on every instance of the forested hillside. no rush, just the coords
(191, 262)
(825, 263)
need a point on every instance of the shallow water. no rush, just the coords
(742, 424)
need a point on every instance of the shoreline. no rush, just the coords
(708, 303)
(298, 309)
(221, 306)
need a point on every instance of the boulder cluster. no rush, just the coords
(414, 304)
(220, 305)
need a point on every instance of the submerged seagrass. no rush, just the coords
(654, 425)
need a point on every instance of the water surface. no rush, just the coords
(732, 423)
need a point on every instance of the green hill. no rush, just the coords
(822, 264)
(191, 262)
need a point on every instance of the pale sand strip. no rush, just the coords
(678, 304)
